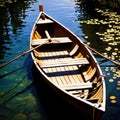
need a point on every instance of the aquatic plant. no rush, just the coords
(111, 4)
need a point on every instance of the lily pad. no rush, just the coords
(112, 97)
(20, 116)
(34, 116)
(113, 101)
(111, 80)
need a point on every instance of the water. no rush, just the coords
(19, 98)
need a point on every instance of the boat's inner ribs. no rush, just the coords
(74, 50)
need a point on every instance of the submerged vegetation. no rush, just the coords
(4, 2)
(109, 4)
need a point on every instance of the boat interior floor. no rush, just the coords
(65, 71)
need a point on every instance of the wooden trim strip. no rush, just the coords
(59, 63)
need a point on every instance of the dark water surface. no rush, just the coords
(19, 97)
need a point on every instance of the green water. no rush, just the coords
(19, 97)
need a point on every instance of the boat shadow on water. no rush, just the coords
(53, 105)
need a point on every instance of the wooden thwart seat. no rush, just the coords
(68, 62)
(57, 40)
(41, 21)
(77, 86)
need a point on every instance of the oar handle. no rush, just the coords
(48, 36)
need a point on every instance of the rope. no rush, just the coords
(93, 115)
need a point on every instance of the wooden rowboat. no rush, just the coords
(67, 65)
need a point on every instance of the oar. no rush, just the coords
(114, 62)
(23, 54)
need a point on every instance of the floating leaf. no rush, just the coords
(118, 88)
(112, 97)
(113, 101)
(111, 80)
(108, 48)
(114, 53)
(34, 116)
(86, 37)
(88, 43)
(20, 116)
(119, 82)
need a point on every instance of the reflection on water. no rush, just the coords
(18, 93)
(12, 20)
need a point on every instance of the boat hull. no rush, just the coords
(68, 66)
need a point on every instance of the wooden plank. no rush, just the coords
(77, 86)
(41, 21)
(51, 56)
(57, 40)
(61, 79)
(72, 77)
(61, 53)
(60, 63)
(54, 79)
